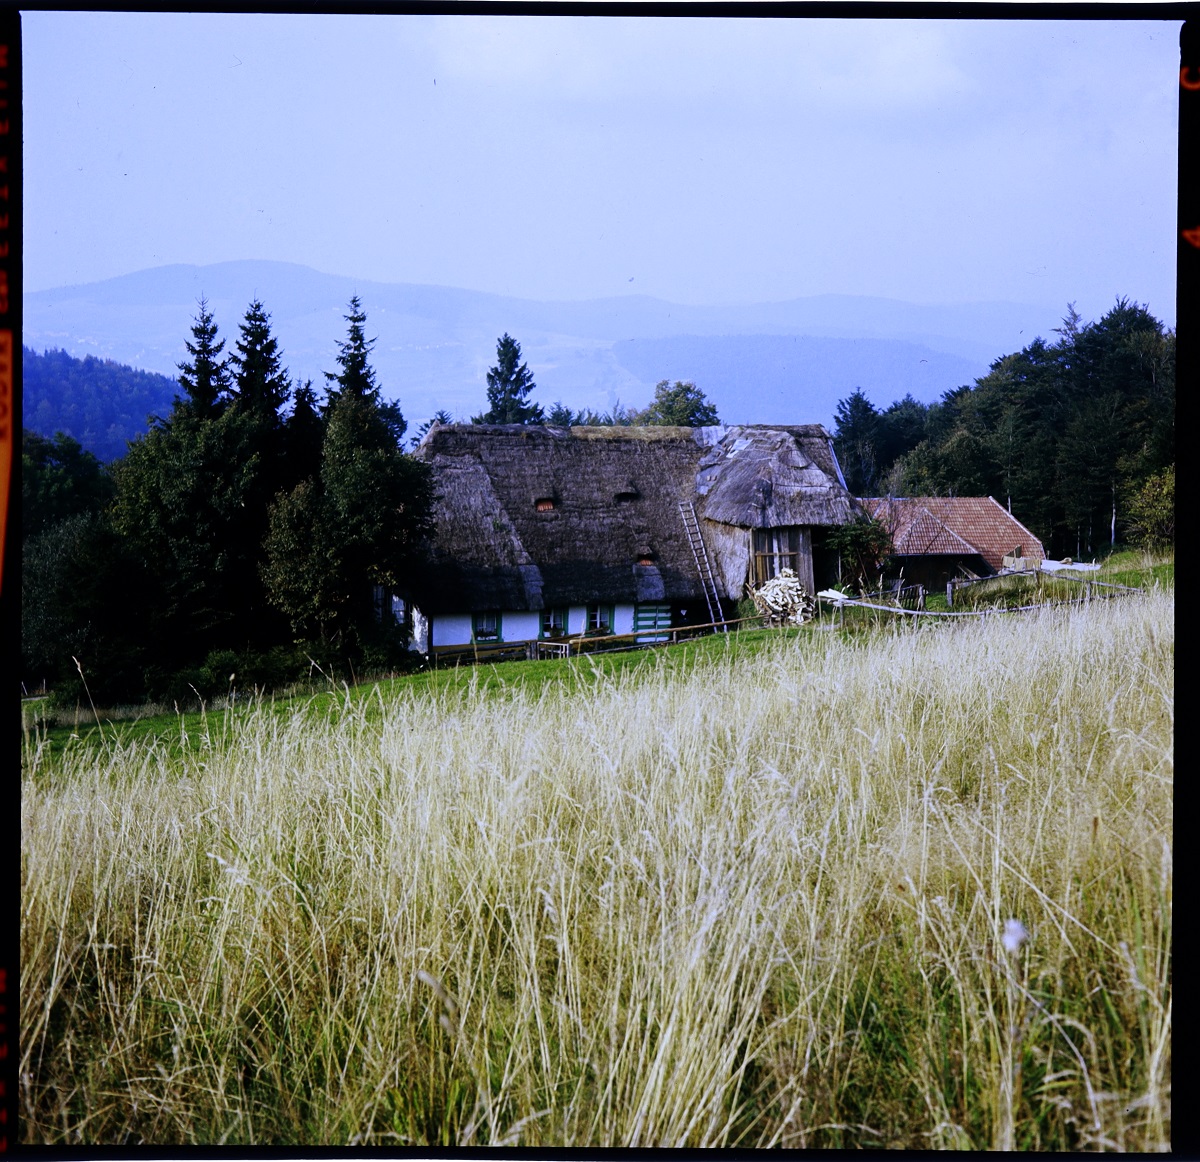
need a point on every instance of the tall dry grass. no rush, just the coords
(757, 903)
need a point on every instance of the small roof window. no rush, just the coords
(544, 504)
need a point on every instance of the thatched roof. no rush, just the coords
(760, 477)
(534, 516)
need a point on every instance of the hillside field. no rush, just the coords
(902, 888)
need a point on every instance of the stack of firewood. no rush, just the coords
(783, 600)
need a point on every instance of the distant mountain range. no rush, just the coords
(787, 362)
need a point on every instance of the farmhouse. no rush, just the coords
(546, 532)
(937, 538)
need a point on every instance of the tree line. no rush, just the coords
(254, 531)
(510, 382)
(1076, 437)
(258, 529)
(250, 534)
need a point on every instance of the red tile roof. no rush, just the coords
(956, 525)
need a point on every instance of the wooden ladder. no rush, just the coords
(691, 526)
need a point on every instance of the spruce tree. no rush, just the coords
(205, 379)
(303, 435)
(855, 439)
(359, 521)
(509, 385)
(357, 377)
(260, 380)
(441, 416)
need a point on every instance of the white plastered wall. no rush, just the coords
(453, 629)
(522, 626)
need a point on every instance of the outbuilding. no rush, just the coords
(939, 538)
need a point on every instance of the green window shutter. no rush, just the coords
(650, 621)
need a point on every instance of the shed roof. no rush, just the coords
(759, 477)
(954, 525)
(608, 527)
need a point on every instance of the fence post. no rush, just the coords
(949, 594)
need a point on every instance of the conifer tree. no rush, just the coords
(441, 416)
(855, 440)
(260, 381)
(509, 385)
(205, 379)
(359, 521)
(193, 495)
(357, 377)
(303, 435)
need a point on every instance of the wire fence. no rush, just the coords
(991, 611)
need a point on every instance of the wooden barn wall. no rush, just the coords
(729, 554)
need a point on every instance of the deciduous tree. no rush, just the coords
(1152, 511)
(182, 497)
(59, 479)
(862, 545)
(681, 404)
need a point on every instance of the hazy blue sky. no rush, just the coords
(693, 159)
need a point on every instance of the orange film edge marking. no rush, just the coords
(1192, 235)
(1183, 78)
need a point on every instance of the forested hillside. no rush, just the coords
(1076, 436)
(99, 403)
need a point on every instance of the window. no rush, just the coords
(599, 618)
(775, 549)
(554, 622)
(487, 627)
(544, 504)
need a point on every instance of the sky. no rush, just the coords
(696, 160)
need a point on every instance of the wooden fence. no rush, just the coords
(908, 600)
(574, 646)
